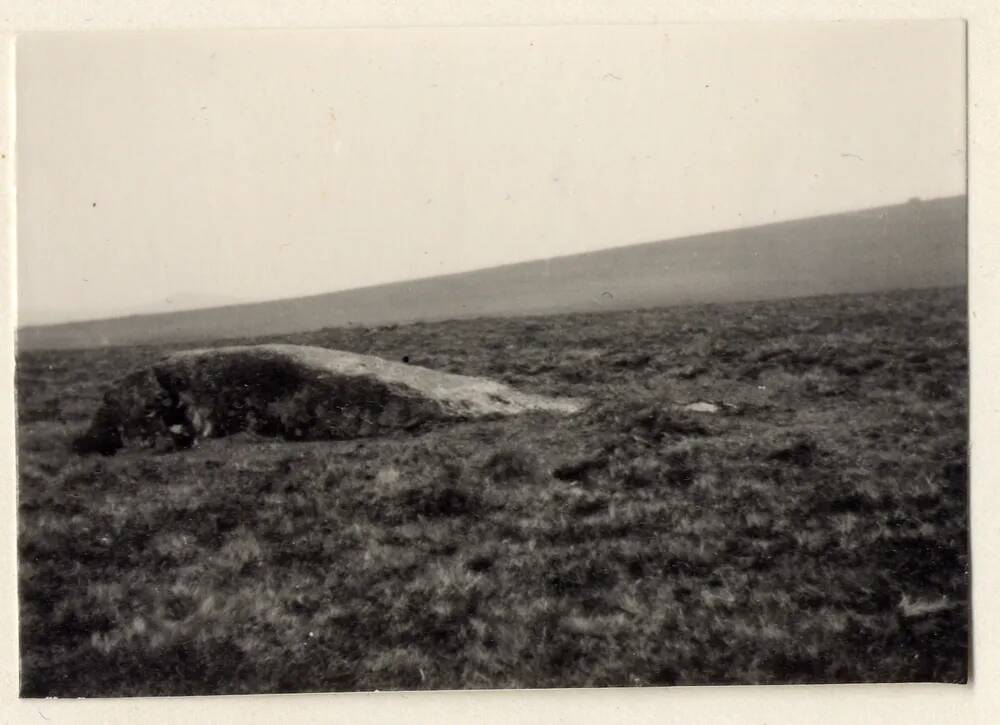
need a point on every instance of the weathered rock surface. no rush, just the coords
(702, 406)
(292, 391)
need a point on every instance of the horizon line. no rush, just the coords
(629, 245)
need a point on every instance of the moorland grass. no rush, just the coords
(814, 530)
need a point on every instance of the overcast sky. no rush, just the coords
(170, 170)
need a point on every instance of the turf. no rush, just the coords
(814, 529)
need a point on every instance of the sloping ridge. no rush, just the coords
(912, 245)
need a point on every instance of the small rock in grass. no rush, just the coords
(912, 608)
(702, 406)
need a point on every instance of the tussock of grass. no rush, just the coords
(510, 464)
(814, 532)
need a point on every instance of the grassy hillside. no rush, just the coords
(920, 244)
(814, 530)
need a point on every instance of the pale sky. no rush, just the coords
(160, 171)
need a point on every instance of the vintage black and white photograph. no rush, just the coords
(491, 358)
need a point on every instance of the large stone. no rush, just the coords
(292, 391)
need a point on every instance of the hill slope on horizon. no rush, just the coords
(912, 245)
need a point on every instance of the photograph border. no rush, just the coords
(916, 703)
